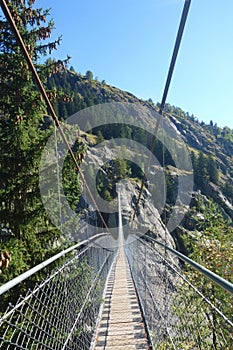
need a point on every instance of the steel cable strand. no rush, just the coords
(198, 311)
(205, 300)
(183, 20)
(86, 300)
(141, 282)
(176, 271)
(47, 289)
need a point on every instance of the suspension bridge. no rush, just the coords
(126, 292)
(133, 296)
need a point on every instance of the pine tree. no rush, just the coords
(121, 168)
(23, 132)
(212, 170)
(89, 75)
(201, 171)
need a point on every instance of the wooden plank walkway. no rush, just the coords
(121, 325)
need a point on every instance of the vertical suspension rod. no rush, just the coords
(165, 93)
(36, 77)
(175, 53)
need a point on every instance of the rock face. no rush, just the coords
(198, 136)
(148, 219)
(208, 139)
(202, 138)
(214, 192)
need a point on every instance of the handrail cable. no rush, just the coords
(41, 285)
(144, 278)
(32, 68)
(7, 286)
(228, 286)
(165, 93)
(165, 266)
(172, 267)
(97, 276)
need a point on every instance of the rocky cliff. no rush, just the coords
(210, 148)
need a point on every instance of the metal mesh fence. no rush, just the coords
(182, 308)
(61, 311)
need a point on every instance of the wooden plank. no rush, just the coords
(121, 325)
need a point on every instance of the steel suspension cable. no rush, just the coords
(58, 176)
(165, 266)
(35, 75)
(184, 17)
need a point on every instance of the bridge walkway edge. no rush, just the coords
(121, 324)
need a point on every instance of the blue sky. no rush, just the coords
(129, 44)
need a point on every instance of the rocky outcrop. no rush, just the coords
(213, 191)
(198, 136)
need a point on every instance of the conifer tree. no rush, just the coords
(23, 131)
(212, 170)
(201, 171)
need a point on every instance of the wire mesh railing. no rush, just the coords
(61, 311)
(183, 309)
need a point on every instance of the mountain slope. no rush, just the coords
(215, 145)
(211, 151)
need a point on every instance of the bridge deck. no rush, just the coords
(121, 325)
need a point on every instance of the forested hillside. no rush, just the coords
(211, 150)
(205, 233)
(211, 147)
